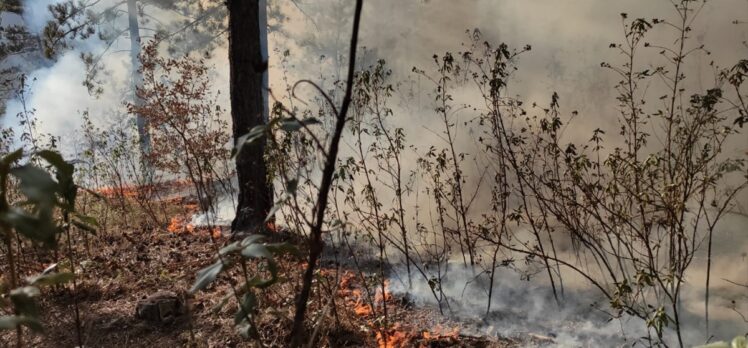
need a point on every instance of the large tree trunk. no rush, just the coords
(247, 111)
(263, 18)
(144, 137)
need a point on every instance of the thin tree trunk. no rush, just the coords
(144, 138)
(315, 244)
(708, 279)
(247, 111)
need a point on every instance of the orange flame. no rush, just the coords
(216, 232)
(132, 191)
(396, 338)
(345, 281)
(179, 224)
(124, 191)
(378, 298)
(440, 332)
(355, 298)
(361, 308)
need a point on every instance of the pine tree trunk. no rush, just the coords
(247, 111)
(144, 138)
(263, 18)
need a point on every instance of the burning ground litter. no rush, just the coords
(130, 259)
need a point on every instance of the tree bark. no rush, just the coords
(247, 111)
(144, 137)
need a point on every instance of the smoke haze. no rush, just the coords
(569, 40)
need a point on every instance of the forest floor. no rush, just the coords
(121, 265)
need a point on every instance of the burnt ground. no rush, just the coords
(122, 265)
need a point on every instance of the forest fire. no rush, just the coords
(354, 297)
(440, 333)
(136, 191)
(397, 335)
(360, 308)
(185, 223)
(122, 191)
(173, 189)
(357, 299)
(396, 338)
(379, 298)
(587, 190)
(181, 224)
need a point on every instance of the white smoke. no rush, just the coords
(568, 42)
(222, 211)
(524, 309)
(36, 14)
(55, 95)
(58, 97)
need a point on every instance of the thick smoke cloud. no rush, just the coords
(568, 41)
(55, 93)
(36, 14)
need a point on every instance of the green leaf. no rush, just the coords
(224, 300)
(89, 220)
(23, 300)
(291, 186)
(739, 342)
(84, 226)
(258, 282)
(247, 331)
(283, 248)
(65, 172)
(50, 279)
(26, 291)
(276, 207)
(36, 183)
(246, 306)
(85, 264)
(231, 248)
(257, 251)
(254, 135)
(55, 159)
(290, 124)
(206, 276)
(10, 322)
(252, 239)
(51, 268)
(41, 229)
(720, 344)
(9, 159)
